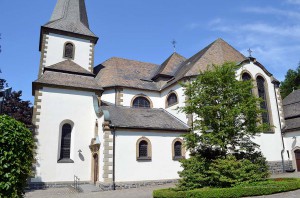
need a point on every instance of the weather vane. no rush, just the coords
(174, 44)
(250, 52)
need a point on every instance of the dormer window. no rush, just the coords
(69, 51)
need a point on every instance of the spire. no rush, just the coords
(70, 16)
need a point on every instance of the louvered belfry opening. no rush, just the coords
(65, 141)
(69, 51)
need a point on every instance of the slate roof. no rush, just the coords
(128, 73)
(69, 66)
(217, 52)
(292, 124)
(291, 108)
(136, 74)
(171, 65)
(68, 74)
(143, 118)
(70, 16)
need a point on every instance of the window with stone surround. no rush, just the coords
(172, 99)
(141, 102)
(69, 50)
(143, 149)
(261, 89)
(65, 144)
(178, 151)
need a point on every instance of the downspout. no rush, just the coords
(116, 97)
(114, 156)
(283, 146)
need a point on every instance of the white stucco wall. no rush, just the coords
(109, 96)
(181, 101)
(292, 143)
(57, 106)
(129, 94)
(161, 167)
(158, 99)
(270, 143)
(55, 50)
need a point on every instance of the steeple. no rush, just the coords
(70, 16)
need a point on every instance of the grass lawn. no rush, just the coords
(271, 186)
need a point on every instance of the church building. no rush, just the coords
(117, 123)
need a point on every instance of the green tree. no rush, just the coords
(291, 82)
(227, 116)
(16, 157)
(19, 109)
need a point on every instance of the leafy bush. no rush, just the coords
(193, 174)
(223, 172)
(253, 189)
(230, 172)
(16, 157)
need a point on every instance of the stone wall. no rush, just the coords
(44, 185)
(138, 184)
(275, 167)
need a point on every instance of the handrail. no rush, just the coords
(76, 183)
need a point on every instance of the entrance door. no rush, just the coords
(95, 168)
(297, 156)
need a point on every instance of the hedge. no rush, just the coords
(268, 187)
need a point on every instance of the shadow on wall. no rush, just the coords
(294, 142)
(81, 156)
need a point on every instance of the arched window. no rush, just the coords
(65, 148)
(141, 102)
(144, 149)
(172, 99)
(69, 51)
(246, 76)
(261, 84)
(178, 151)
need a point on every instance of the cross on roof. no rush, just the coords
(174, 44)
(250, 52)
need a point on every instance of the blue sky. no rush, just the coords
(143, 30)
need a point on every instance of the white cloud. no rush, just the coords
(273, 45)
(273, 11)
(193, 26)
(293, 1)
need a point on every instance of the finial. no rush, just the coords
(250, 52)
(174, 44)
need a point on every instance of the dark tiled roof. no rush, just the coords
(171, 65)
(217, 52)
(62, 79)
(127, 73)
(69, 66)
(142, 118)
(291, 108)
(292, 97)
(292, 124)
(70, 16)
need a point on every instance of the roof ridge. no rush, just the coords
(115, 57)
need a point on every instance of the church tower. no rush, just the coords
(64, 95)
(67, 36)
